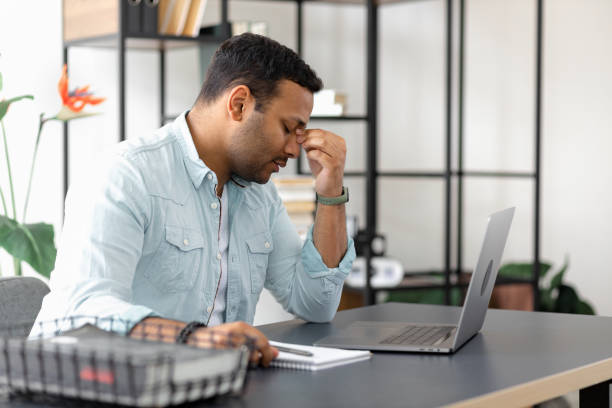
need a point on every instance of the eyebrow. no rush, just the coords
(299, 121)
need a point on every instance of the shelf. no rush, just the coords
(411, 174)
(151, 41)
(347, 118)
(352, 2)
(495, 174)
(455, 173)
(446, 175)
(426, 174)
(425, 283)
(341, 118)
(346, 173)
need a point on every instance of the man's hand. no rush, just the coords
(326, 153)
(235, 334)
(225, 335)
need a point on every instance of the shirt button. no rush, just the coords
(186, 241)
(218, 256)
(209, 309)
(267, 244)
(213, 206)
(209, 177)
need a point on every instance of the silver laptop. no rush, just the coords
(431, 337)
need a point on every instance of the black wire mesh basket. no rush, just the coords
(85, 359)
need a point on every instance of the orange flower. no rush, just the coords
(78, 98)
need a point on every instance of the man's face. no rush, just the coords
(266, 140)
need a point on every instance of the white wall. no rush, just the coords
(499, 119)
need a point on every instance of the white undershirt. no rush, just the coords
(218, 313)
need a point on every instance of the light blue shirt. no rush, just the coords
(141, 239)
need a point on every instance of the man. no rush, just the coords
(183, 226)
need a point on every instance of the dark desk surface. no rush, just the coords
(519, 358)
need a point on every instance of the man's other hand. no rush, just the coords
(232, 335)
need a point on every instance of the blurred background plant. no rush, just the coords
(34, 243)
(556, 296)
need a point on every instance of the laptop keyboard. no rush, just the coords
(419, 335)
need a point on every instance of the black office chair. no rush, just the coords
(20, 301)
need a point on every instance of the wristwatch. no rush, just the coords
(341, 199)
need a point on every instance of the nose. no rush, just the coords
(292, 148)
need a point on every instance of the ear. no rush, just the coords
(238, 101)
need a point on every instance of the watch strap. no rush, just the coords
(341, 199)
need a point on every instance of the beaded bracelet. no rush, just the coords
(187, 330)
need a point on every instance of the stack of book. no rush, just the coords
(255, 27)
(180, 17)
(328, 102)
(298, 195)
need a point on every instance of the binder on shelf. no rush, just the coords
(175, 17)
(132, 15)
(148, 16)
(194, 18)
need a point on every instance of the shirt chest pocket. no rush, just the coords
(259, 247)
(177, 263)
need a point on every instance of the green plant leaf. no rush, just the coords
(4, 105)
(584, 308)
(32, 243)
(547, 303)
(567, 299)
(557, 280)
(522, 270)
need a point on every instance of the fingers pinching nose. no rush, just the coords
(300, 135)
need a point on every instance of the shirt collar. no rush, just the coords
(196, 168)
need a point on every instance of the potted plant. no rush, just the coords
(34, 243)
(558, 296)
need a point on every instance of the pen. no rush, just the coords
(294, 351)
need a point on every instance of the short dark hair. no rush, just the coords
(259, 63)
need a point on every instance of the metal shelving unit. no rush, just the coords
(123, 41)
(449, 275)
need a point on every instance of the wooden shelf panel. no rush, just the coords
(435, 280)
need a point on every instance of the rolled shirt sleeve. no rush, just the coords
(297, 276)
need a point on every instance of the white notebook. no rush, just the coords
(323, 357)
